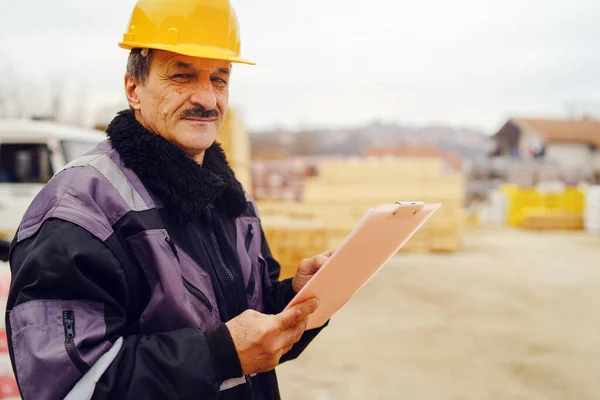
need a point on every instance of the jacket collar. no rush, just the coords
(182, 185)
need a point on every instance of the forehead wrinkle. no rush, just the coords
(182, 64)
(197, 64)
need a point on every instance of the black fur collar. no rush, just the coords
(184, 187)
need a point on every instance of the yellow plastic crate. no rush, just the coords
(569, 201)
(518, 201)
(546, 219)
(573, 201)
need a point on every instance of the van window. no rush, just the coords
(76, 148)
(25, 163)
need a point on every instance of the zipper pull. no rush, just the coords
(69, 323)
(249, 235)
(173, 248)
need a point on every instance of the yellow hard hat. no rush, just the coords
(197, 28)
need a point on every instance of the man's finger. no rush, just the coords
(293, 335)
(329, 252)
(308, 265)
(319, 261)
(296, 314)
(313, 264)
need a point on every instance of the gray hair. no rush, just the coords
(138, 64)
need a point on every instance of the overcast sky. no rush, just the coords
(326, 62)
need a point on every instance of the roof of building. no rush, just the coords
(563, 130)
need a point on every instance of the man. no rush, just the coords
(141, 270)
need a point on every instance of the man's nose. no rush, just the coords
(203, 94)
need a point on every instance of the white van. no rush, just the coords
(31, 152)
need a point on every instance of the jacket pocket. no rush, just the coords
(68, 319)
(54, 343)
(197, 294)
(181, 291)
(191, 267)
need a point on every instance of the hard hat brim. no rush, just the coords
(191, 50)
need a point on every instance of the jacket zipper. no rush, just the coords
(249, 382)
(69, 325)
(197, 293)
(172, 244)
(248, 240)
(191, 288)
(213, 238)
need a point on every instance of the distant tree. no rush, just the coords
(12, 104)
(20, 98)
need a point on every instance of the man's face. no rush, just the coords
(184, 100)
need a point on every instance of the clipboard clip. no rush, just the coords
(412, 206)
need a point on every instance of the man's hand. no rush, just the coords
(308, 268)
(261, 340)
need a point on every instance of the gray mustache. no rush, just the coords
(200, 112)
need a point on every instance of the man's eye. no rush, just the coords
(183, 76)
(219, 81)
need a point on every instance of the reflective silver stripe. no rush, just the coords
(231, 383)
(83, 160)
(115, 176)
(103, 164)
(84, 388)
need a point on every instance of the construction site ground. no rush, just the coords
(515, 315)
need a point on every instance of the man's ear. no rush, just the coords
(131, 86)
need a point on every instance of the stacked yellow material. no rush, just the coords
(291, 240)
(344, 191)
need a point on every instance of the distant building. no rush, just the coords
(570, 144)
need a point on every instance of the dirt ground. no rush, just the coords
(516, 315)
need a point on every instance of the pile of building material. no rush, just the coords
(293, 239)
(344, 190)
(592, 210)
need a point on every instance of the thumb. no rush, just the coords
(320, 260)
(313, 264)
(296, 314)
(329, 252)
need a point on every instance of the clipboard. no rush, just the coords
(365, 251)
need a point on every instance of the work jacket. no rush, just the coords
(126, 267)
